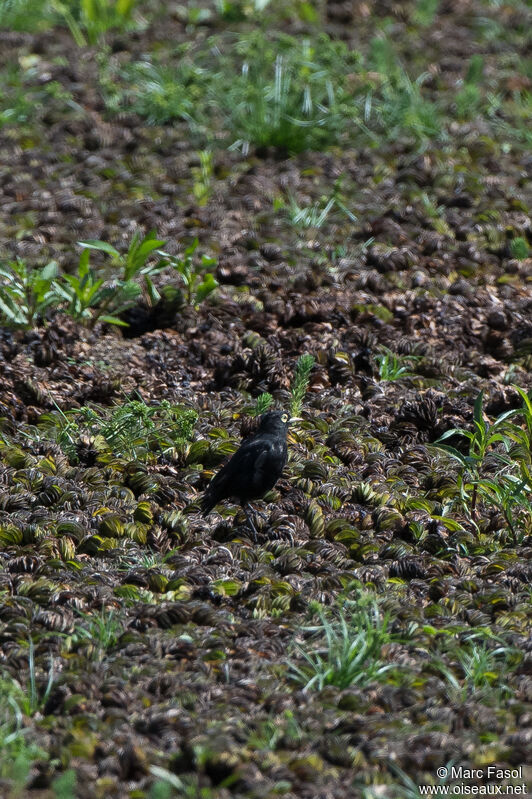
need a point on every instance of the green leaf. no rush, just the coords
(11, 311)
(191, 249)
(454, 453)
(456, 431)
(146, 247)
(49, 271)
(153, 294)
(62, 291)
(208, 285)
(504, 416)
(138, 252)
(102, 246)
(477, 408)
(450, 524)
(226, 587)
(475, 70)
(113, 320)
(83, 266)
(526, 399)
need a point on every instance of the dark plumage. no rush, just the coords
(254, 468)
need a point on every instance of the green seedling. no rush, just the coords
(519, 248)
(506, 443)
(392, 366)
(202, 185)
(134, 263)
(315, 216)
(425, 11)
(263, 403)
(350, 654)
(90, 300)
(90, 20)
(469, 97)
(483, 672)
(300, 382)
(286, 94)
(395, 106)
(481, 439)
(64, 786)
(132, 430)
(26, 294)
(197, 282)
(100, 632)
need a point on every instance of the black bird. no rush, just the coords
(254, 468)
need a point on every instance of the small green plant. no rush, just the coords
(300, 381)
(197, 282)
(406, 787)
(29, 699)
(351, 651)
(86, 19)
(523, 436)
(202, 175)
(484, 667)
(503, 444)
(17, 102)
(519, 248)
(469, 97)
(392, 366)
(284, 93)
(64, 786)
(162, 789)
(169, 784)
(425, 12)
(510, 120)
(89, 299)
(435, 213)
(94, 17)
(99, 632)
(268, 732)
(132, 430)
(483, 671)
(26, 294)
(135, 428)
(510, 493)
(134, 262)
(481, 439)
(25, 15)
(395, 107)
(17, 753)
(263, 403)
(239, 10)
(160, 93)
(315, 216)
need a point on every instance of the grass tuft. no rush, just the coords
(350, 654)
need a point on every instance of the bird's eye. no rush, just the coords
(285, 418)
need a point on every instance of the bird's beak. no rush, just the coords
(295, 419)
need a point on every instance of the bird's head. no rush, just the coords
(274, 422)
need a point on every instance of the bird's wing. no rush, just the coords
(244, 470)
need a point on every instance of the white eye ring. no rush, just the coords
(284, 417)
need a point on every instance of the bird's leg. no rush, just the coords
(250, 522)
